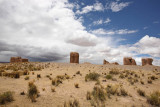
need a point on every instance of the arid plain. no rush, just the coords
(84, 85)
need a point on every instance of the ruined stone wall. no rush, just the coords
(105, 62)
(74, 57)
(17, 59)
(129, 61)
(147, 61)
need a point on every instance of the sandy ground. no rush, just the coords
(67, 90)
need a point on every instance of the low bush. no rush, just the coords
(141, 92)
(32, 91)
(88, 96)
(114, 71)
(76, 85)
(154, 98)
(92, 76)
(26, 78)
(98, 94)
(72, 103)
(108, 76)
(6, 97)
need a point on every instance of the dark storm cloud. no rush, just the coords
(32, 53)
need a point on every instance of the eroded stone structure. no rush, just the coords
(147, 61)
(74, 57)
(105, 62)
(17, 59)
(129, 61)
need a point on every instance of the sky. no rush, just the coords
(48, 30)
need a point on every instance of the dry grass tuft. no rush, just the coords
(154, 98)
(26, 78)
(88, 96)
(92, 76)
(141, 92)
(32, 91)
(108, 76)
(72, 103)
(76, 85)
(6, 97)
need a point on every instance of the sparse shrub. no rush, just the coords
(53, 89)
(6, 97)
(38, 75)
(111, 90)
(108, 76)
(76, 85)
(114, 71)
(154, 98)
(32, 91)
(98, 94)
(141, 92)
(25, 72)
(98, 82)
(67, 77)
(150, 81)
(121, 76)
(78, 72)
(32, 73)
(142, 82)
(123, 92)
(92, 76)
(136, 75)
(43, 89)
(48, 76)
(16, 74)
(153, 77)
(72, 103)
(56, 81)
(22, 93)
(88, 96)
(26, 78)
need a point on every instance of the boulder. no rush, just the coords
(129, 61)
(74, 57)
(147, 61)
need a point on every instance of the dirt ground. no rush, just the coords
(67, 91)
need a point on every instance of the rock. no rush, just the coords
(74, 57)
(105, 62)
(129, 61)
(147, 61)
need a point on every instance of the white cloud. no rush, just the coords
(101, 31)
(100, 21)
(98, 7)
(95, 7)
(149, 45)
(145, 28)
(108, 20)
(85, 10)
(116, 7)
(156, 22)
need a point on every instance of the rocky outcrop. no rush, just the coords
(147, 61)
(129, 61)
(74, 57)
(17, 59)
(105, 62)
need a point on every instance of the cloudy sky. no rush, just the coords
(48, 30)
